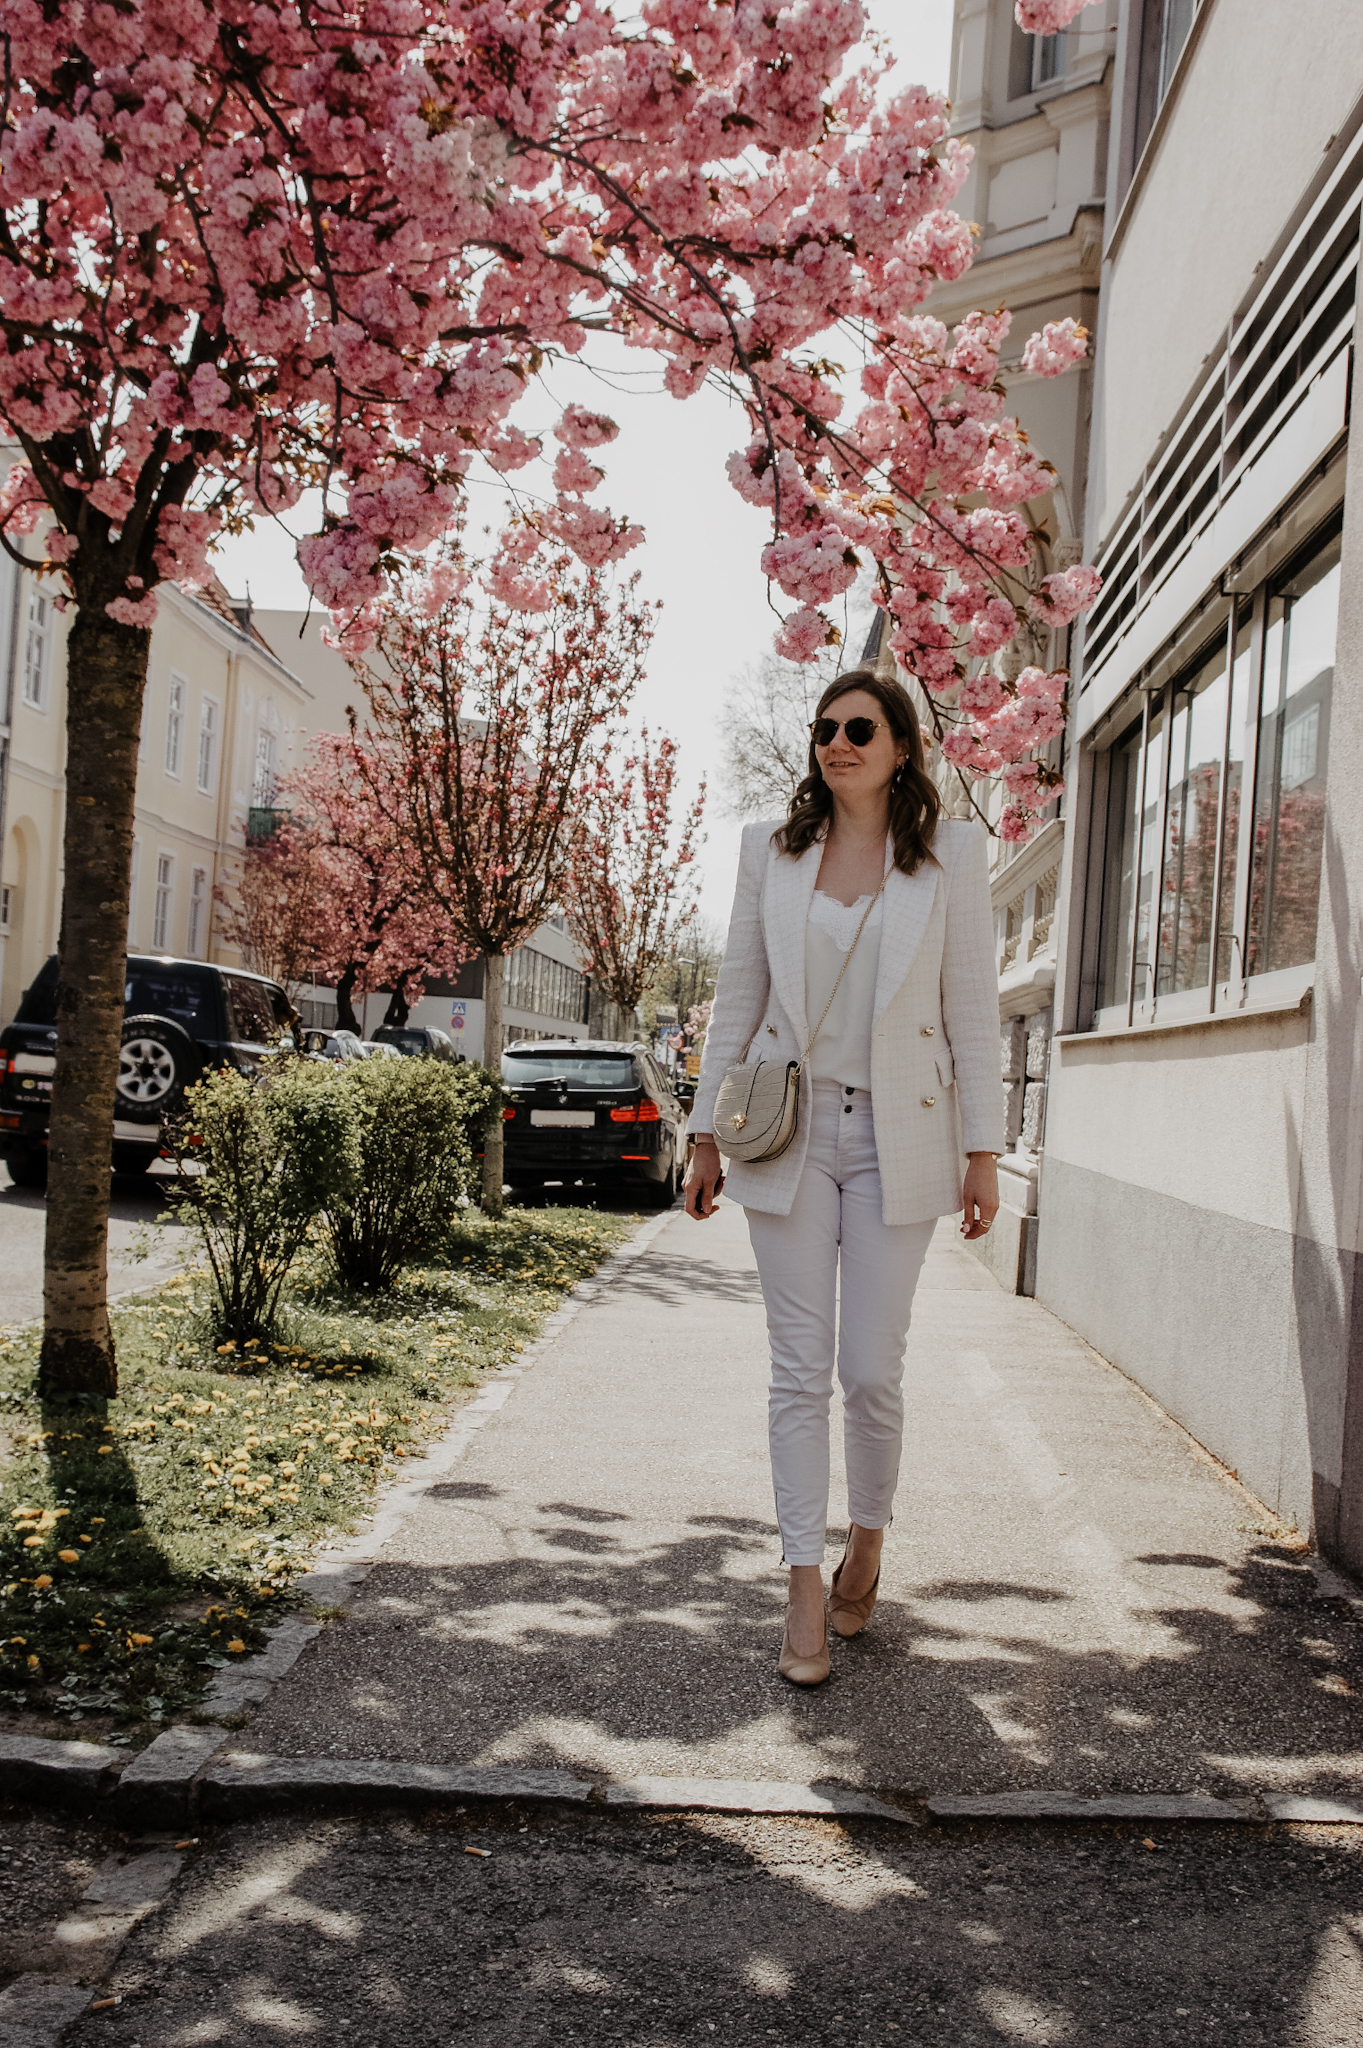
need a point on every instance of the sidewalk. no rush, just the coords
(1071, 1598)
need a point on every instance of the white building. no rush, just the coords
(1201, 1204)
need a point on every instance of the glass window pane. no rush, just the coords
(1294, 737)
(1150, 855)
(1196, 742)
(1235, 769)
(1115, 946)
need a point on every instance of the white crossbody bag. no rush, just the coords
(757, 1110)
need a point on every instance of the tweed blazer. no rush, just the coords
(936, 1086)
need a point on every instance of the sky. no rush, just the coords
(700, 560)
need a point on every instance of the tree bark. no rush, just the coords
(494, 1150)
(399, 1009)
(346, 1020)
(106, 676)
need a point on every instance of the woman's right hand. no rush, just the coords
(703, 1177)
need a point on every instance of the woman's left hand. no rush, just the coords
(981, 1195)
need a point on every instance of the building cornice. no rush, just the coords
(1068, 262)
(231, 638)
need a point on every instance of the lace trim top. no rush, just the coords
(842, 1050)
(842, 921)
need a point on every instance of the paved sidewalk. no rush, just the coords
(1071, 1598)
(141, 1254)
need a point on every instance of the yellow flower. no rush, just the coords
(324, 1478)
(141, 1641)
(32, 1542)
(82, 1646)
(106, 1450)
(236, 1646)
(69, 1556)
(87, 1539)
(223, 1349)
(43, 1579)
(33, 1663)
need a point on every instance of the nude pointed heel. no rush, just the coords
(849, 1617)
(804, 1670)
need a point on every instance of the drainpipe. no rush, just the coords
(11, 658)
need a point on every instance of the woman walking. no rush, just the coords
(861, 947)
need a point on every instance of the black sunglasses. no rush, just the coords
(860, 731)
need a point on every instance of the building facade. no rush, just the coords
(1036, 111)
(1201, 1195)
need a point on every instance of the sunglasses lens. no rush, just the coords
(860, 731)
(824, 731)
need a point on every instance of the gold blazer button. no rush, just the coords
(929, 1101)
(928, 1031)
(772, 1029)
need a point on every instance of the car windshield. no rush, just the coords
(250, 1012)
(578, 1069)
(405, 1041)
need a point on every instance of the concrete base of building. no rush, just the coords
(1009, 1251)
(1240, 1332)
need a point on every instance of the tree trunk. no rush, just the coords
(399, 1009)
(106, 676)
(494, 971)
(346, 1020)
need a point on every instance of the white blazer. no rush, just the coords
(936, 1078)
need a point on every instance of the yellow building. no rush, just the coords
(222, 718)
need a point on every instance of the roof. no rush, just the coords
(577, 1045)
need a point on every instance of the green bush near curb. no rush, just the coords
(144, 1541)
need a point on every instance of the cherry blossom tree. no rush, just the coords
(247, 248)
(376, 922)
(271, 909)
(493, 727)
(632, 887)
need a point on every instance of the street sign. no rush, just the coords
(458, 1016)
(693, 1066)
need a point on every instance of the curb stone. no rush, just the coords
(36, 2011)
(1100, 1806)
(751, 1795)
(155, 1790)
(240, 1785)
(35, 1767)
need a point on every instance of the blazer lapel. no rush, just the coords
(790, 888)
(908, 906)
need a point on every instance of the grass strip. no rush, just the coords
(145, 1541)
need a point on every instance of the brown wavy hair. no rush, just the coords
(915, 804)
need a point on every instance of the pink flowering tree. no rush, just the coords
(247, 248)
(376, 924)
(633, 882)
(492, 727)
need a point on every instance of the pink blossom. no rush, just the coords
(143, 613)
(1059, 344)
(803, 635)
(1068, 592)
(1047, 17)
(982, 694)
(580, 428)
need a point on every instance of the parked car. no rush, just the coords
(181, 1019)
(342, 1047)
(592, 1109)
(378, 1049)
(417, 1041)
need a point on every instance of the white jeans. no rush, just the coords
(836, 1220)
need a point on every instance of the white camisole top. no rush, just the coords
(842, 1050)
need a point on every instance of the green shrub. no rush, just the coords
(274, 1152)
(415, 1164)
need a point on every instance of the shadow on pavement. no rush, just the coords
(659, 1932)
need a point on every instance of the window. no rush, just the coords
(250, 1011)
(544, 987)
(175, 726)
(6, 906)
(1034, 61)
(1289, 784)
(1165, 25)
(580, 1070)
(208, 744)
(198, 913)
(262, 793)
(132, 891)
(165, 892)
(185, 995)
(37, 642)
(1230, 906)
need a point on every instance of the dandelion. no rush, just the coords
(236, 1646)
(140, 1641)
(69, 1556)
(43, 1581)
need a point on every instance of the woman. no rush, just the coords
(867, 896)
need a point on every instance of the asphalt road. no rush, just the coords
(141, 1254)
(654, 1933)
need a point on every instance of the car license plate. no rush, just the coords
(34, 1063)
(564, 1119)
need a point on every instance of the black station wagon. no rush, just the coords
(180, 1019)
(593, 1110)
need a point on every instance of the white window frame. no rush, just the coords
(7, 895)
(133, 873)
(200, 914)
(208, 731)
(263, 784)
(38, 617)
(163, 912)
(175, 726)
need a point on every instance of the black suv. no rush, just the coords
(180, 1019)
(592, 1109)
(417, 1041)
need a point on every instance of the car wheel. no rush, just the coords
(28, 1169)
(158, 1061)
(663, 1193)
